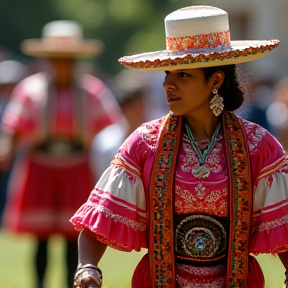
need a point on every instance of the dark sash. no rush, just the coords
(161, 203)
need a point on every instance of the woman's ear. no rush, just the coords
(218, 78)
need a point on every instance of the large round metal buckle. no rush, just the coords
(200, 236)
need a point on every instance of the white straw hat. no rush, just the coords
(62, 39)
(198, 36)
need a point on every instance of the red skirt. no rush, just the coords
(45, 192)
(141, 276)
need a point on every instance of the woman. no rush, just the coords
(52, 118)
(200, 188)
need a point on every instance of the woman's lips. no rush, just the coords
(172, 98)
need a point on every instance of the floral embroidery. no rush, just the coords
(255, 134)
(170, 59)
(200, 191)
(198, 41)
(112, 243)
(271, 225)
(190, 159)
(201, 199)
(149, 133)
(186, 195)
(194, 196)
(190, 276)
(116, 218)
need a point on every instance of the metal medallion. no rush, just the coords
(201, 171)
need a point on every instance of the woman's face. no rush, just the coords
(188, 92)
(63, 70)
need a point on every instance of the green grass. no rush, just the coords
(16, 271)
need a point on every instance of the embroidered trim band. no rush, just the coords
(161, 237)
(160, 60)
(240, 200)
(161, 203)
(198, 42)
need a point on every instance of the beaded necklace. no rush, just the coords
(201, 170)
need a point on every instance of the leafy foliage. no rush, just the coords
(125, 26)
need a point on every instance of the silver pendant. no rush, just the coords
(201, 171)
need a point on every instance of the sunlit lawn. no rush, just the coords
(16, 269)
(117, 267)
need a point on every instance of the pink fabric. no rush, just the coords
(46, 190)
(63, 120)
(25, 110)
(208, 195)
(273, 239)
(140, 278)
(125, 230)
(43, 199)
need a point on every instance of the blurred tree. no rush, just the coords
(125, 26)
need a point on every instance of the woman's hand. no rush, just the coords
(88, 277)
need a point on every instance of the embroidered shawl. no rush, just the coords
(161, 237)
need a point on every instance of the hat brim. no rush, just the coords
(40, 48)
(238, 52)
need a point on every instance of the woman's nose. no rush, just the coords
(168, 82)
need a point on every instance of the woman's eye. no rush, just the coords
(183, 74)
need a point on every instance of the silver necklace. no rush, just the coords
(201, 170)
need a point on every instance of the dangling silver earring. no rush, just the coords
(216, 103)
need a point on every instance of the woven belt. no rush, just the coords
(60, 147)
(200, 238)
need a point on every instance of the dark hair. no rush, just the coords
(230, 90)
(128, 97)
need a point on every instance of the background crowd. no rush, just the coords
(128, 98)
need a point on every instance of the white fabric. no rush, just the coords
(196, 20)
(268, 194)
(105, 146)
(63, 28)
(118, 182)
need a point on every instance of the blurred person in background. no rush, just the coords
(155, 104)
(131, 99)
(259, 97)
(277, 112)
(201, 188)
(53, 116)
(11, 72)
(133, 92)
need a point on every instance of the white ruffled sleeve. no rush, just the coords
(116, 209)
(270, 217)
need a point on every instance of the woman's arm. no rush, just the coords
(90, 252)
(8, 146)
(284, 259)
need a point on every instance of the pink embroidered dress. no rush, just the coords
(116, 210)
(48, 185)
